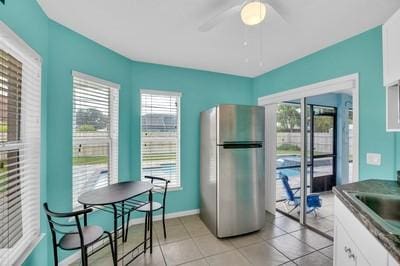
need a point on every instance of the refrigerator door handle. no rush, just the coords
(242, 145)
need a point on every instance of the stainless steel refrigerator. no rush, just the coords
(232, 184)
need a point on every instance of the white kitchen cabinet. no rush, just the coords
(391, 49)
(346, 252)
(393, 108)
(343, 247)
(353, 242)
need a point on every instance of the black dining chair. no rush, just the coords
(160, 187)
(78, 237)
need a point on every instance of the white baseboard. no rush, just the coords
(167, 216)
(76, 256)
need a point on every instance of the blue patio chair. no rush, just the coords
(313, 200)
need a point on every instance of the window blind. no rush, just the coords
(19, 148)
(95, 135)
(160, 135)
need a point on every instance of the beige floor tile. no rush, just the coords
(174, 234)
(168, 222)
(210, 245)
(263, 254)
(287, 224)
(289, 263)
(200, 262)
(136, 236)
(314, 259)
(154, 259)
(311, 238)
(180, 252)
(101, 258)
(190, 218)
(323, 224)
(230, 258)
(196, 228)
(328, 251)
(270, 231)
(290, 246)
(246, 240)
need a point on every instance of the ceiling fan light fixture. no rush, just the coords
(253, 13)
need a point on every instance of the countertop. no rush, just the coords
(390, 242)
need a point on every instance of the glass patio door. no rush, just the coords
(306, 162)
(323, 148)
(321, 177)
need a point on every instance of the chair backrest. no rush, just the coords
(288, 189)
(59, 221)
(164, 185)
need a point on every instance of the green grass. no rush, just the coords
(90, 160)
(288, 152)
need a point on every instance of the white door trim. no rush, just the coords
(345, 83)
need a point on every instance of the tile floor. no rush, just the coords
(281, 242)
(323, 221)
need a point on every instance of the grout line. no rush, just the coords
(319, 250)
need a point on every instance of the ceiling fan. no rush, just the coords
(252, 12)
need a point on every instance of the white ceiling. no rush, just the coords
(166, 31)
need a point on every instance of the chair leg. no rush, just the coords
(163, 222)
(86, 257)
(145, 232)
(112, 248)
(127, 227)
(83, 256)
(148, 221)
(55, 255)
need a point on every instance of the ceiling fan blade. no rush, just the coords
(279, 8)
(217, 19)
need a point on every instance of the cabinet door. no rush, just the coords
(343, 247)
(391, 49)
(393, 108)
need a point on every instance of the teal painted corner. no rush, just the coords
(360, 54)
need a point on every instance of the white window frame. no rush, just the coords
(178, 156)
(11, 43)
(112, 139)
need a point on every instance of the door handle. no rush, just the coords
(352, 256)
(347, 250)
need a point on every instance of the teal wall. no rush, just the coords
(200, 91)
(360, 54)
(63, 50)
(70, 51)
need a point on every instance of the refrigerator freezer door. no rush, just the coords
(240, 191)
(208, 169)
(240, 123)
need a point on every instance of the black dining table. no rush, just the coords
(119, 199)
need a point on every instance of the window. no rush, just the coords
(19, 147)
(160, 135)
(95, 134)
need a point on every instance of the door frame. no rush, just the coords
(332, 155)
(349, 83)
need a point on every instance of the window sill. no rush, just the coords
(172, 189)
(29, 250)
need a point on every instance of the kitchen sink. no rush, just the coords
(384, 209)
